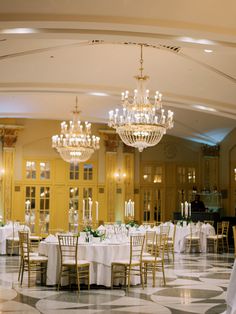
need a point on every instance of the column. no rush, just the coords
(8, 139)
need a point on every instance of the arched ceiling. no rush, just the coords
(53, 50)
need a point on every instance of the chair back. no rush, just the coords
(158, 223)
(136, 247)
(165, 229)
(68, 246)
(150, 241)
(24, 244)
(160, 245)
(225, 228)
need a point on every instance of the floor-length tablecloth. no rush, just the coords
(101, 255)
(231, 292)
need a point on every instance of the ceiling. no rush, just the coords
(53, 50)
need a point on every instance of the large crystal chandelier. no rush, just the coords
(75, 143)
(141, 124)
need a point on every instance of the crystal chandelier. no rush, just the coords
(75, 143)
(142, 123)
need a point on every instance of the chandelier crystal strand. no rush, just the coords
(141, 123)
(75, 143)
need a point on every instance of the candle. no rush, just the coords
(90, 209)
(186, 209)
(96, 211)
(189, 209)
(182, 209)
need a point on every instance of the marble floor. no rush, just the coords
(196, 283)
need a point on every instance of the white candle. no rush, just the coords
(90, 209)
(96, 211)
(189, 209)
(186, 209)
(182, 209)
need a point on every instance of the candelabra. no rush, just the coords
(88, 220)
(129, 211)
(186, 210)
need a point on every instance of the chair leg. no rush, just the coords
(154, 276)
(78, 279)
(22, 272)
(59, 279)
(28, 274)
(163, 273)
(129, 277)
(111, 276)
(141, 276)
(19, 273)
(89, 277)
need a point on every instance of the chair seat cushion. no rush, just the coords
(16, 239)
(146, 254)
(36, 238)
(215, 237)
(71, 262)
(192, 238)
(126, 262)
(151, 259)
(38, 258)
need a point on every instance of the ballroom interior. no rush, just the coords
(69, 60)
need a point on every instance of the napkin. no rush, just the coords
(51, 239)
(101, 228)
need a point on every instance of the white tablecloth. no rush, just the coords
(7, 231)
(231, 292)
(101, 255)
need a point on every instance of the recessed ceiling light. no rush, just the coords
(208, 50)
(98, 94)
(19, 31)
(200, 41)
(201, 107)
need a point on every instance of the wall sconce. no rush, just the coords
(2, 171)
(119, 176)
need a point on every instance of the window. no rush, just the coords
(147, 205)
(191, 175)
(87, 194)
(147, 171)
(30, 169)
(158, 175)
(73, 209)
(181, 175)
(30, 202)
(88, 172)
(44, 209)
(74, 171)
(44, 170)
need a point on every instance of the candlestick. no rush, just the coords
(182, 209)
(83, 209)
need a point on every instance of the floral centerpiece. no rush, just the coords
(132, 223)
(94, 233)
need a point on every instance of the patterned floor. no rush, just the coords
(196, 283)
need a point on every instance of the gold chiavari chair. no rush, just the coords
(225, 235)
(122, 269)
(30, 262)
(71, 266)
(171, 243)
(12, 242)
(192, 241)
(155, 262)
(149, 242)
(215, 242)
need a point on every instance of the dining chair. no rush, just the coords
(155, 262)
(71, 266)
(149, 242)
(123, 268)
(165, 230)
(192, 240)
(30, 262)
(225, 235)
(215, 242)
(12, 241)
(171, 243)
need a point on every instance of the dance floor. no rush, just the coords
(196, 283)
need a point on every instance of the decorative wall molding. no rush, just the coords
(211, 151)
